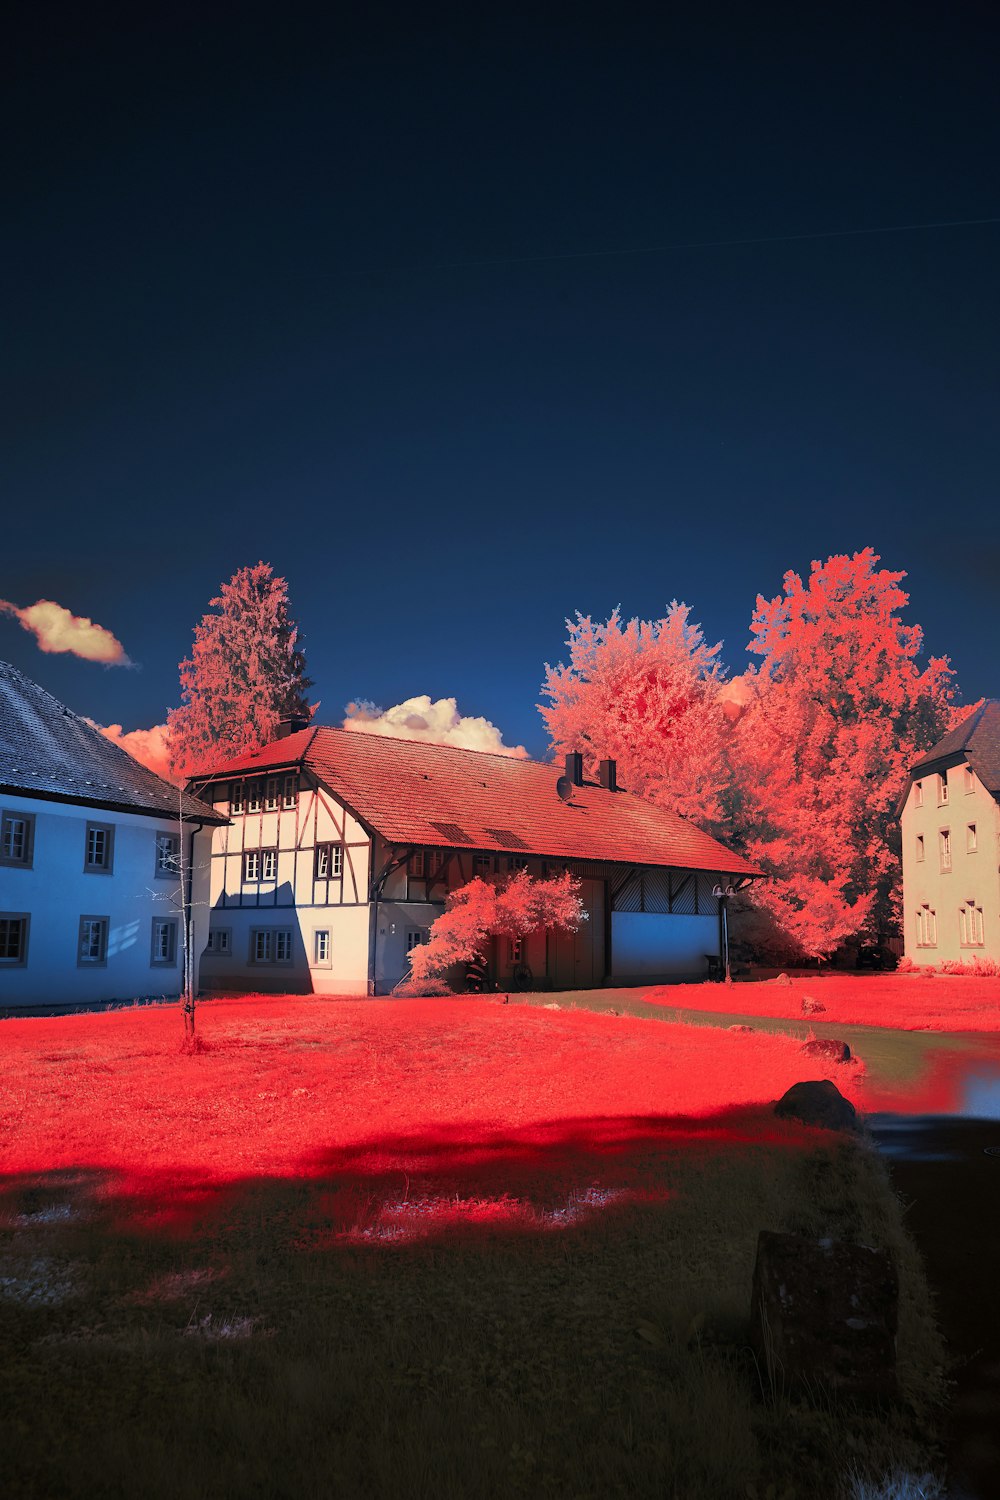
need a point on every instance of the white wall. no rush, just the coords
(56, 892)
(973, 874)
(646, 945)
(295, 900)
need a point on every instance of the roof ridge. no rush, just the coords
(404, 739)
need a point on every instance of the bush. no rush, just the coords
(422, 989)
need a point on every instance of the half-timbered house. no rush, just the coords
(341, 847)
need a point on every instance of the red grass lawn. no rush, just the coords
(419, 1091)
(905, 1002)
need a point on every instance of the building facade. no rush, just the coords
(98, 860)
(335, 851)
(950, 823)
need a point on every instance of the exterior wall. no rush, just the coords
(295, 900)
(647, 945)
(973, 875)
(56, 892)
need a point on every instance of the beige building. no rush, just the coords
(950, 821)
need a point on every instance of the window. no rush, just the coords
(268, 864)
(164, 950)
(220, 940)
(970, 780)
(514, 862)
(944, 843)
(93, 946)
(971, 838)
(416, 865)
(515, 950)
(414, 937)
(942, 788)
(435, 862)
(926, 927)
(321, 947)
(271, 945)
(100, 849)
(482, 865)
(920, 846)
(329, 861)
(290, 791)
(251, 864)
(17, 839)
(271, 798)
(168, 850)
(236, 797)
(918, 794)
(13, 939)
(253, 796)
(970, 924)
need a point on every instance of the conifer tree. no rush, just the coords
(245, 672)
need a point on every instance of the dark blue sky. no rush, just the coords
(317, 288)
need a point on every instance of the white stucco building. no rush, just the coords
(93, 848)
(950, 821)
(336, 850)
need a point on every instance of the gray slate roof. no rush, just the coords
(49, 751)
(977, 740)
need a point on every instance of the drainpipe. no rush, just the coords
(188, 925)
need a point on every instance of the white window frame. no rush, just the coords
(944, 849)
(20, 959)
(269, 864)
(253, 795)
(332, 856)
(163, 949)
(515, 950)
(266, 943)
(9, 819)
(970, 780)
(322, 947)
(92, 960)
(943, 789)
(416, 865)
(107, 866)
(237, 796)
(167, 868)
(926, 927)
(918, 794)
(272, 794)
(290, 790)
(971, 926)
(921, 850)
(251, 871)
(971, 839)
(220, 942)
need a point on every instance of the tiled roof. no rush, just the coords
(977, 738)
(48, 750)
(412, 792)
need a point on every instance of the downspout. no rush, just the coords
(188, 926)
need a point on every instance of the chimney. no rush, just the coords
(574, 767)
(608, 775)
(290, 725)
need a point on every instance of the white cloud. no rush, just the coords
(57, 629)
(150, 747)
(438, 723)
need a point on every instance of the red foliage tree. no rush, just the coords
(837, 712)
(246, 671)
(480, 910)
(645, 693)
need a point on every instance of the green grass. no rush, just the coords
(247, 1357)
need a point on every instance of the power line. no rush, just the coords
(763, 239)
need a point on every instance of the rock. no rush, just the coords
(823, 1315)
(811, 1007)
(827, 1046)
(781, 979)
(817, 1102)
(740, 1027)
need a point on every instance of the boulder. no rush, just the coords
(780, 979)
(817, 1102)
(740, 1027)
(811, 1007)
(823, 1316)
(827, 1046)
